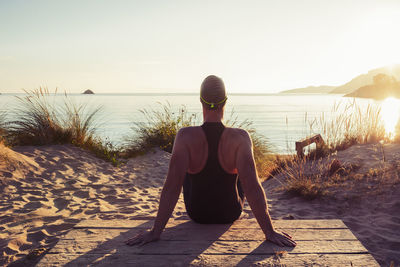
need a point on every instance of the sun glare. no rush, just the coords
(390, 111)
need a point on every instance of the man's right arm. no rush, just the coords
(255, 193)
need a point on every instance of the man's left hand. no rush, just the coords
(143, 238)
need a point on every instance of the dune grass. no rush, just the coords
(45, 118)
(159, 129)
(349, 124)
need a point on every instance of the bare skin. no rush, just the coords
(189, 154)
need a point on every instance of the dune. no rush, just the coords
(14, 164)
(47, 190)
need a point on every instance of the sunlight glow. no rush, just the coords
(390, 111)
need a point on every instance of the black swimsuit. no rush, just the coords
(213, 195)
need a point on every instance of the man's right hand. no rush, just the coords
(281, 239)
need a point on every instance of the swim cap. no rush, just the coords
(212, 92)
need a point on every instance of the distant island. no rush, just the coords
(377, 83)
(88, 92)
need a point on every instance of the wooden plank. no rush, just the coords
(244, 223)
(317, 139)
(115, 260)
(205, 234)
(167, 247)
(183, 243)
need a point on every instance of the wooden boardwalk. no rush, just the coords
(184, 243)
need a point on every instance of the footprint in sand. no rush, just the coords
(60, 203)
(77, 211)
(50, 219)
(93, 178)
(83, 194)
(128, 210)
(33, 198)
(32, 205)
(37, 236)
(132, 189)
(55, 228)
(7, 174)
(92, 211)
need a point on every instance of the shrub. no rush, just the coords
(304, 180)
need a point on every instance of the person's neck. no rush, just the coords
(212, 117)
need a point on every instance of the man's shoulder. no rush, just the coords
(189, 132)
(189, 129)
(237, 132)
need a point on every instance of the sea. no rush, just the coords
(281, 118)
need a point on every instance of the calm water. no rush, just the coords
(281, 118)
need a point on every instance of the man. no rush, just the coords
(215, 166)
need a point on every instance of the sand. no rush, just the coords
(46, 190)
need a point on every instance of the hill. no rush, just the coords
(366, 79)
(383, 86)
(323, 89)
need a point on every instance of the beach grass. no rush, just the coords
(46, 118)
(158, 130)
(348, 125)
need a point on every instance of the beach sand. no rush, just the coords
(46, 190)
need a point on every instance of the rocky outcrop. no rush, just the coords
(88, 92)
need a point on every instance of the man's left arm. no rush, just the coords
(178, 167)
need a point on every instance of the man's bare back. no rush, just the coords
(235, 155)
(195, 140)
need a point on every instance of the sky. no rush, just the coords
(171, 46)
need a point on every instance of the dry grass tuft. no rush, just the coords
(349, 124)
(41, 119)
(304, 180)
(158, 130)
(45, 118)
